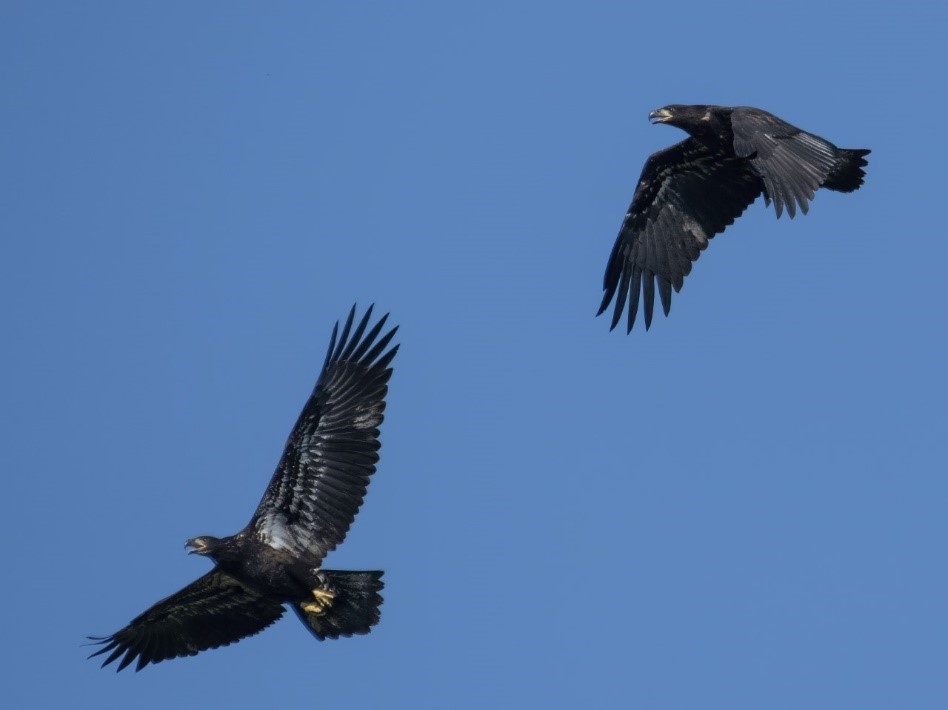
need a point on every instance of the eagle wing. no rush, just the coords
(687, 193)
(792, 163)
(321, 479)
(214, 610)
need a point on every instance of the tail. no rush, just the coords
(847, 175)
(354, 605)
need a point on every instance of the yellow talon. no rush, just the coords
(322, 601)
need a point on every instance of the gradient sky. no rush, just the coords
(742, 508)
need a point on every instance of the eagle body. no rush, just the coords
(306, 510)
(693, 190)
(258, 566)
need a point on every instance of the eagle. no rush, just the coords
(305, 512)
(694, 189)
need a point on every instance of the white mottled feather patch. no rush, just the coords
(367, 419)
(274, 532)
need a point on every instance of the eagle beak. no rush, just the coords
(193, 546)
(660, 116)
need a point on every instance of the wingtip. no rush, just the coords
(607, 297)
(615, 316)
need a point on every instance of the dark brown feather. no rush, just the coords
(214, 610)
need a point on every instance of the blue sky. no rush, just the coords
(742, 508)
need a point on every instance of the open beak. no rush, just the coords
(193, 546)
(660, 115)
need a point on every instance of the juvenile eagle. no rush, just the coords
(305, 512)
(693, 190)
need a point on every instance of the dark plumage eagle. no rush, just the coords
(305, 512)
(693, 190)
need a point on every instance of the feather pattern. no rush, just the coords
(687, 193)
(214, 610)
(792, 163)
(321, 479)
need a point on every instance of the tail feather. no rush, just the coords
(847, 175)
(354, 608)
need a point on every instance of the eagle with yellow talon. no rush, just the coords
(306, 511)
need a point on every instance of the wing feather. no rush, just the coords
(214, 610)
(687, 193)
(635, 288)
(792, 163)
(321, 479)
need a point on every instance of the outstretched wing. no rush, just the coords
(321, 479)
(792, 163)
(687, 194)
(215, 610)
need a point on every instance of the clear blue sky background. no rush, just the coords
(742, 508)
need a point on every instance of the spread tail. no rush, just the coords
(349, 605)
(847, 175)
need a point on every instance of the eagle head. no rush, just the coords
(703, 123)
(203, 545)
(681, 115)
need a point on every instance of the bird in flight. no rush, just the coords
(694, 189)
(312, 499)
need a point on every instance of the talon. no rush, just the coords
(324, 595)
(322, 601)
